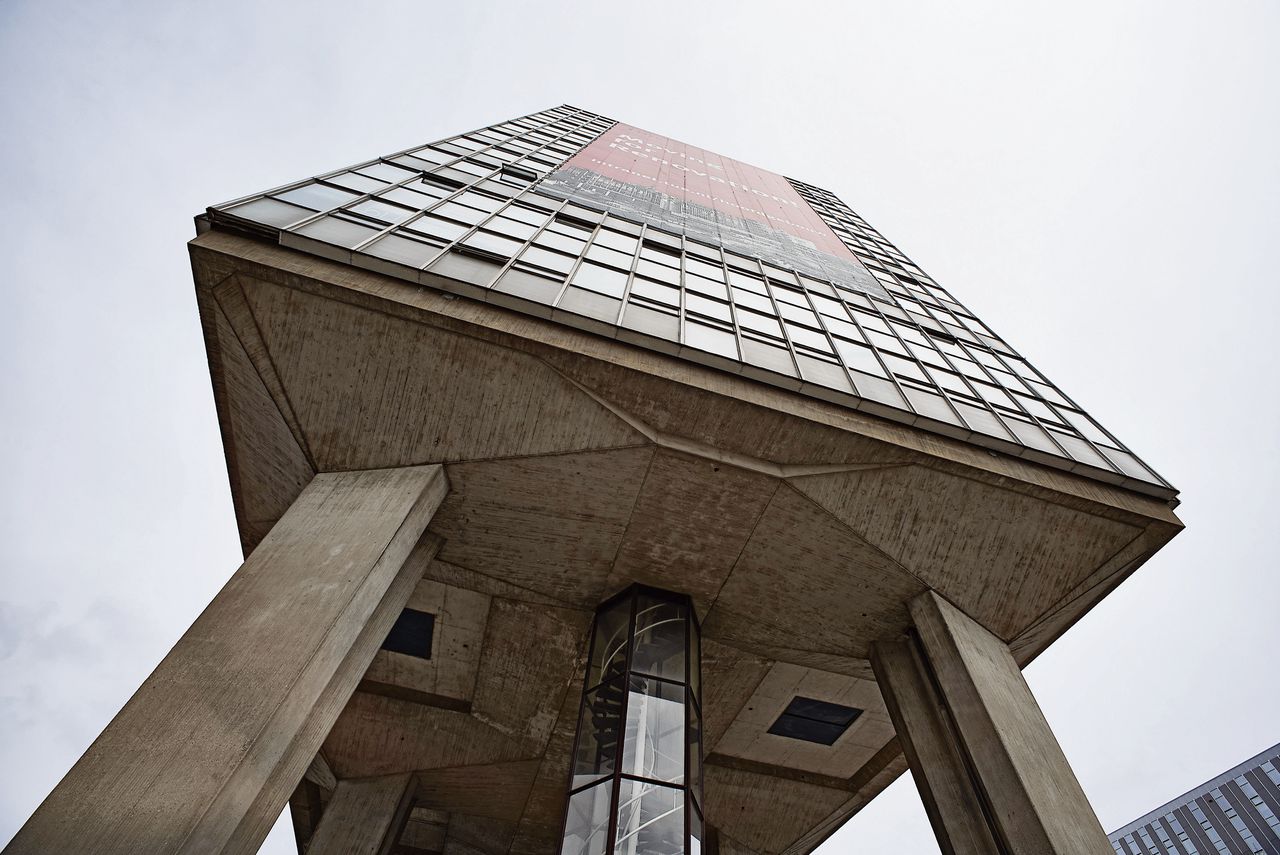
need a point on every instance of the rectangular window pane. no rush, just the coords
(660, 641)
(586, 829)
(320, 197)
(655, 730)
(603, 280)
(650, 819)
(598, 730)
(609, 647)
(710, 339)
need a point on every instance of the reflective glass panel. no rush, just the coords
(337, 230)
(695, 750)
(609, 649)
(711, 339)
(271, 211)
(650, 819)
(598, 729)
(695, 659)
(907, 318)
(660, 639)
(654, 745)
(321, 197)
(586, 827)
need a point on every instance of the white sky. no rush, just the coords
(1098, 181)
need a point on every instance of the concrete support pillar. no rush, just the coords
(204, 756)
(927, 735)
(992, 776)
(363, 817)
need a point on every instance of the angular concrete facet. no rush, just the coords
(363, 817)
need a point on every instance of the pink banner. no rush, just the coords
(655, 179)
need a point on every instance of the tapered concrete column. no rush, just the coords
(992, 776)
(928, 738)
(363, 817)
(204, 756)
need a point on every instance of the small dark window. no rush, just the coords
(444, 181)
(519, 172)
(411, 634)
(814, 721)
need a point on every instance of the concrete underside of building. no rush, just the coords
(394, 446)
(577, 465)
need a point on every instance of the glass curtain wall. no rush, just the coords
(636, 782)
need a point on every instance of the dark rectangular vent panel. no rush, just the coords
(411, 634)
(814, 721)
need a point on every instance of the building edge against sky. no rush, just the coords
(601, 493)
(1235, 812)
(849, 319)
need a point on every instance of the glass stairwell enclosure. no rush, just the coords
(636, 781)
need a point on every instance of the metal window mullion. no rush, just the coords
(515, 136)
(327, 176)
(894, 332)
(415, 216)
(577, 735)
(364, 197)
(969, 383)
(560, 138)
(777, 316)
(631, 275)
(474, 131)
(689, 783)
(597, 782)
(1073, 405)
(615, 803)
(1010, 392)
(488, 218)
(578, 262)
(564, 136)
(324, 176)
(942, 392)
(657, 782)
(528, 243)
(875, 351)
(640, 673)
(482, 150)
(813, 307)
(737, 336)
(471, 230)
(1035, 420)
(684, 273)
(667, 680)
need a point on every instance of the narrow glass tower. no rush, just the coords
(636, 783)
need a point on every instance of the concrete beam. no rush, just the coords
(991, 773)
(364, 816)
(205, 754)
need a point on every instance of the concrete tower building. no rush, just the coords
(602, 494)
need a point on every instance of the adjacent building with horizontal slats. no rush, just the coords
(1236, 813)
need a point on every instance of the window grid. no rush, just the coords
(466, 214)
(1232, 813)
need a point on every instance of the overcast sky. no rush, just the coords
(1098, 181)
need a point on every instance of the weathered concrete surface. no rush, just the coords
(579, 464)
(1034, 801)
(364, 816)
(928, 739)
(206, 753)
